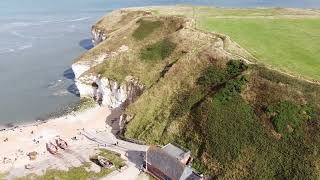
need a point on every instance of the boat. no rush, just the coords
(104, 162)
(29, 166)
(53, 149)
(62, 144)
(32, 155)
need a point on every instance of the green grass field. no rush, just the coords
(292, 45)
(286, 39)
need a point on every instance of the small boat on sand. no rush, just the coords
(53, 149)
(62, 144)
(32, 155)
(104, 162)
(29, 166)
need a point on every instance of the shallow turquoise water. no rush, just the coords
(41, 38)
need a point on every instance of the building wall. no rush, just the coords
(156, 173)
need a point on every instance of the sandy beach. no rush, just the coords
(84, 131)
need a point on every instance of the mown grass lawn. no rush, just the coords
(292, 45)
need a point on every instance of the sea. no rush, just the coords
(39, 40)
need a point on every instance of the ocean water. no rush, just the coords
(41, 38)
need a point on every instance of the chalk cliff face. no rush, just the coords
(116, 94)
(97, 36)
(80, 68)
(110, 93)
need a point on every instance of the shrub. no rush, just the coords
(185, 100)
(84, 104)
(231, 128)
(145, 28)
(232, 88)
(288, 117)
(212, 75)
(235, 67)
(157, 51)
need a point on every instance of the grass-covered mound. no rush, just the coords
(157, 51)
(145, 29)
(114, 157)
(153, 44)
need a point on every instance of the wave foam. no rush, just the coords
(25, 47)
(6, 50)
(18, 48)
(14, 25)
(20, 35)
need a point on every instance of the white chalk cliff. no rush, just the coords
(97, 36)
(110, 93)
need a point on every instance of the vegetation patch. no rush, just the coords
(157, 51)
(214, 75)
(225, 133)
(231, 89)
(220, 131)
(80, 173)
(184, 101)
(146, 27)
(155, 12)
(84, 104)
(235, 67)
(288, 117)
(3, 176)
(80, 106)
(114, 157)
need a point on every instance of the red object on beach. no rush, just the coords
(62, 144)
(53, 149)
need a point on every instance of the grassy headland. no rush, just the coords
(241, 121)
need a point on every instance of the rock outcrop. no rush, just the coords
(97, 36)
(108, 92)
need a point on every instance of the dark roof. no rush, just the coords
(189, 174)
(175, 151)
(194, 176)
(170, 166)
(161, 160)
